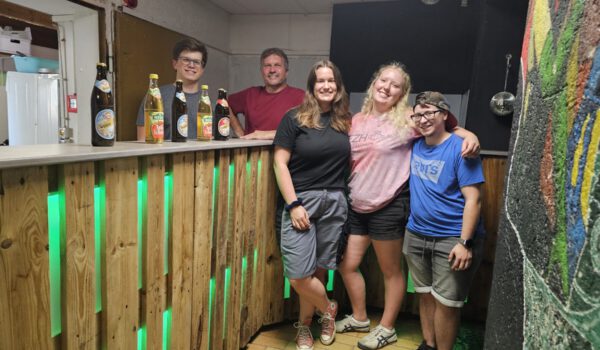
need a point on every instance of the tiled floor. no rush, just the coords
(281, 336)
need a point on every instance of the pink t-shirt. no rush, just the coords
(380, 163)
(262, 110)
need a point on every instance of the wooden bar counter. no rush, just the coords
(135, 246)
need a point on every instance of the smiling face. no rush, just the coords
(325, 88)
(432, 120)
(274, 72)
(188, 66)
(388, 89)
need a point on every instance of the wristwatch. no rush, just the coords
(467, 243)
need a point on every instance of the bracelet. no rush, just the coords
(294, 204)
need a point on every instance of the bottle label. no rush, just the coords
(180, 96)
(222, 102)
(207, 126)
(224, 126)
(155, 92)
(157, 120)
(182, 125)
(105, 124)
(102, 85)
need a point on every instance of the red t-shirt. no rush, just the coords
(263, 111)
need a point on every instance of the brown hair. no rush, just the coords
(277, 52)
(309, 112)
(189, 44)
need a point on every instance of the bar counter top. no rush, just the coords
(33, 155)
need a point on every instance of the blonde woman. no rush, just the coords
(381, 138)
(312, 154)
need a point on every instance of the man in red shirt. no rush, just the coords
(264, 106)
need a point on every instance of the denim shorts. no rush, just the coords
(385, 224)
(427, 259)
(304, 251)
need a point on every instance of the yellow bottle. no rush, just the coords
(154, 118)
(204, 116)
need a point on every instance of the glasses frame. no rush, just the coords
(190, 62)
(428, 115)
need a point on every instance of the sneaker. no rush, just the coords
(424, 346)
(304, 339)
(378, 338)
(350, 324)
(327, 322)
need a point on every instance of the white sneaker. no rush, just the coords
(378, 338)
(350, 324)
(304, 339)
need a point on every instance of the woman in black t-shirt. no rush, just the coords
(312, 154)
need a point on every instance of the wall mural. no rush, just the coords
(552, 203)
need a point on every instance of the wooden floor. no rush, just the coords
(282, 336)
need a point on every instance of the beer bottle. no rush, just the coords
(179, 124)
(221, 122)
(204, 116)
(154, 118)
(103, 112)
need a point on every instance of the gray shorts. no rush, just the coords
(427, 259)
(303, 251)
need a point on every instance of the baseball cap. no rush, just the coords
(435, 98)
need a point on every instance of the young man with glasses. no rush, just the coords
(189, 60)
(264, 106)
(444, 235)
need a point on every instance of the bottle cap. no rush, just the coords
(221, 89)
(101, 64)
(153, 76)
(179, 81)
(204, 87)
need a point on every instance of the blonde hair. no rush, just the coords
(309, 112)
(398, 112)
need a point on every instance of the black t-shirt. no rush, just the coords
(320, 157)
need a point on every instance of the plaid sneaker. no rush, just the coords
(304, 339)
(378, 338)
(327, 322)
(350, 324)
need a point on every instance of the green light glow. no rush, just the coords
(226, 286)
(167, 329)
(99, 234)
(330, 280)
(142, 192)
(168, 212)
(244, 269)
(410, 286)
(141, 338)
(211, 295)
(255, 261)
(56, 229)
(214, 199)
(286, 288)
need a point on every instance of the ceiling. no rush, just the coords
(272, 7)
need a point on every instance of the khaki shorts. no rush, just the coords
(304, 251)
(427, 259)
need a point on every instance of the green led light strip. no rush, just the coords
(227, 284)
(142, 196)
(286, 288)
(168, 213)
(99, 234)
(56, 229)
(211, 296)
(141, 338)
(244, 269)
(167, 319)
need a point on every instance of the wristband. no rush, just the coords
(294, 204)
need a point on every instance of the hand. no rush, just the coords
(259, 135)
(462, 257)
(470, 147)
(299, 218)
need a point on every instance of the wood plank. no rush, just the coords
(27, 15)
(120, 275)
(203, 229)
(24, 264)
(261, 237)
(249, 293)
(274, 280)
(181, 254)
(154, 287)
(221, 239)
(232, 341)
(79, 285)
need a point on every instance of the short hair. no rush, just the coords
(189, 44)
(277, 52)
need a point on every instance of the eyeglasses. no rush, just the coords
(428, 115)
(190, 62)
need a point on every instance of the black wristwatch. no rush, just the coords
(467, 243)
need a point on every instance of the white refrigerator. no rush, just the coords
(33, 103)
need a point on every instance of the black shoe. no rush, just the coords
(424, 346)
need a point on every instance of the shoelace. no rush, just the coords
(304, 336)
(328, 322)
